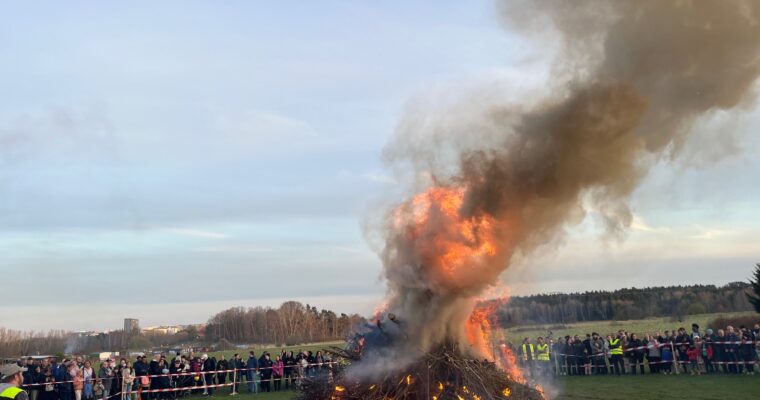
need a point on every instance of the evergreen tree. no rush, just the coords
(755, 298)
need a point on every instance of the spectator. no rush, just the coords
(237, 366)
(35, 378)
(253, 371)
(265, 368)
(153, 370)
(720, 350)
(695, 332)
(163, 381)
(312, 363)
(278, 370)
(707, 351)
(290, 365)
(89, 379)
(747, 350)
(562, 349)
(588, 354)
(208, 367)
(693, 356)
(105, 376)
(636, 350)
(682, 342)
(319, 360)
(78, 384)
(598, 355)
(653, 353)
(48, 389)
(221, 368)
(667, 358)
(732, 351)
(128, 380)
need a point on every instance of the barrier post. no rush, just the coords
(675, 359)
(234, 382)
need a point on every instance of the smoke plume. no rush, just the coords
(631, 79)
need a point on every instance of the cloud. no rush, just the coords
(709, 234)
(639, 224)
(197, 233)
(378, 178)
(257, 125)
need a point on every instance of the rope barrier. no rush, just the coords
(201, 373)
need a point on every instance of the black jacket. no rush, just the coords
(265, 366)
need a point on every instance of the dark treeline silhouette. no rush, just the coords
(291, 323)
(624, 304)
(14, 342)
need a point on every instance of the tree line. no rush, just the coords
(291, 323)
(14, 342)
(624, 304)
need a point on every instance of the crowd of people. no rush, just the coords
(727, 351)
(159, 378)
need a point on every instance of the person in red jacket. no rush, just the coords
(693, 355)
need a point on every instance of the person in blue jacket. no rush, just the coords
(253, 365)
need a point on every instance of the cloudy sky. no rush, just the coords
(165, 161)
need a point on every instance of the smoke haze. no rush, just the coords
(629, 83)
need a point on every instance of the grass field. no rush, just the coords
(645, 387)
(640, 326)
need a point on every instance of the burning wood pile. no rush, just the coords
(445, 373)
(382, 362)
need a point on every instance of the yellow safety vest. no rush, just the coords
(11, 392)
(542, 352)
(525, 352)
(615, 347)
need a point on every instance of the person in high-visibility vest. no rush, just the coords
(528, 352)
(542, 356)
(11, 379)
(616, 353)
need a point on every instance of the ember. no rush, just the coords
(446, 373)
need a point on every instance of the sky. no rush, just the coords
(165, 161)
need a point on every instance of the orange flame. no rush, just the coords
(479, 330)
(450, 243)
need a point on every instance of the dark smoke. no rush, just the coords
(631, 80)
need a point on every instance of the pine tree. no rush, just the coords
(755, 298)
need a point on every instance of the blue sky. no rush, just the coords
(167, 160)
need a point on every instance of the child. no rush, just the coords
(98, 390)
(78, 384)
(667, 359)
(692, 353)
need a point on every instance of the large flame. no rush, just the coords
(451, 245)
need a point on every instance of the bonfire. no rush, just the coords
(431, 340)
(446, 373)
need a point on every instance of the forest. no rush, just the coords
(291, 323)
(623, 304)
(295, 323)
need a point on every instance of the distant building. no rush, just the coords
(162, 330)
(131, 324)
(105, 355)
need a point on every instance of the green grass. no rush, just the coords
(640, 327)
(656, 387)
